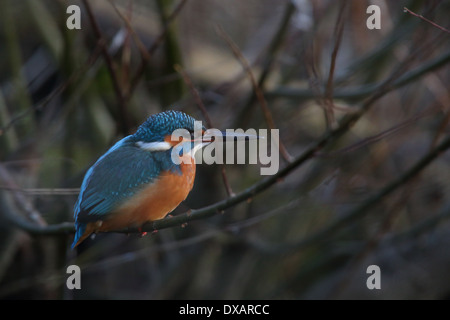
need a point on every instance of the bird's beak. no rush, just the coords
(211, 135)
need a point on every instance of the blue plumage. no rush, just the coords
(159, 125)
(125, 169)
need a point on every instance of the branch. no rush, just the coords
(360, 92)
(379, 136)
(137, 40)
(328, 96)
(20, 199)
(360, 211)
(88, 65)
(405, 9)
(218, 207)
(200, 104)
(267, 64)
(257, 90)
(112, 71)
(146, 58)
(363, 209)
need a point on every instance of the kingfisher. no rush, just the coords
(137, 180)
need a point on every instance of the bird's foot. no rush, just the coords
(142, 233)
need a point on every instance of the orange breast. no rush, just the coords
(153, 202)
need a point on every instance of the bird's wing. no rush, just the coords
(116, 176)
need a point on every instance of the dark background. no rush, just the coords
(67, 95)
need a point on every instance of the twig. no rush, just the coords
(277, 41)
(405, 9)
(358, 93)
(346, 123)
(328, 97)
(202, 108)
(126, 52)
(332, 135)
(44, 191)
(137, 40)
(37, 107)
(379, 136)
(273, 49)
(423, 226)
(112, 71)
(258, 92)
(363, 209)
(441, 129)
(146, 58)
(22, 201)
(322, 235)
(129, 257)
(90, 61)
(230, 229)
(195, 94)
(370, 245)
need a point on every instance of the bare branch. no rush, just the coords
(202, 108)
(328, 96)
(20, 199)
(258, 92)
(363, 209)
(111, 68)
(346, 123)
(405, 9)
(146, 58)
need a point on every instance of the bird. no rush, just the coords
(137, 181)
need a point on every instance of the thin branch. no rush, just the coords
(126, 52)
(137, 40)
(87, 66)
(277, 41)
(146, 58)
(328, 96)
(358, 93)
(112, 71)
(37, 107)
(231, 229)
(202, 108)
(258, 92)
(370, 245)
(363, 209)
(195, 94)
(422, 226)
(346, 123)
(441, 129)
(268, 62)
(129, 257)
(44, 191)
(381, 135)
(405, 9)
(22, 201)
(218, 207)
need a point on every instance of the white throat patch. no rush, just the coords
(154, 146)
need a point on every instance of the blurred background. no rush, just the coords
(67, 95)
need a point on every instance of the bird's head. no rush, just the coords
(175, 129)
(157, 133)
(160, 125)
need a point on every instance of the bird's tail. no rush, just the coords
(83, 231)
